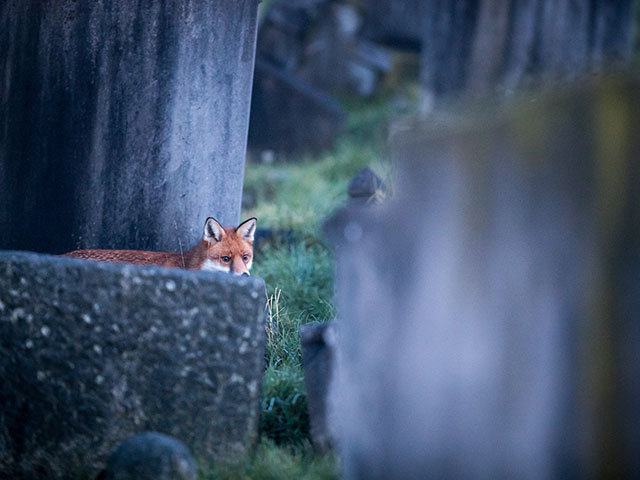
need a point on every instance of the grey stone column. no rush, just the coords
(123, 124)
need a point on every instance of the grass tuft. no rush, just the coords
(300, 280)
(284, 417)
(303, 276)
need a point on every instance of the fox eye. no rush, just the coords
(225, 259)
(245, 257)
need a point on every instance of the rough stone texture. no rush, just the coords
(478, 47)
(497, 336)
(318, 345)
(151, 456)
(123, 124)
(91, 353)
(288, 116)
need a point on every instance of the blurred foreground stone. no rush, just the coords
(91, 353)
(489, 314)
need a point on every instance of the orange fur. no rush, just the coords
(221, 248)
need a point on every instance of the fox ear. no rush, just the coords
(247, 229)
(213, 231)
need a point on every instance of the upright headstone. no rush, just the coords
(91, 353)
(123, 123)
(489, 313)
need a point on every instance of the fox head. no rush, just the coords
(228, 249)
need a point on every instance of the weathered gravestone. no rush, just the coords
(124, 123)
(91, 353)
(489, 314)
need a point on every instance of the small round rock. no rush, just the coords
(150, 456)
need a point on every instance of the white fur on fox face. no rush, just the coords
(211, 266)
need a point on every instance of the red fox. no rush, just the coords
(226, 249)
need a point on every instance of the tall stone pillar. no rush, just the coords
(123, 124)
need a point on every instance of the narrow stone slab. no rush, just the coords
(92, 353)
(318, 345)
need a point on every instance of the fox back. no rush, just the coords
(226, 249)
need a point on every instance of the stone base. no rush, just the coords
(91, 353)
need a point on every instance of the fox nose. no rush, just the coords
(245, 274)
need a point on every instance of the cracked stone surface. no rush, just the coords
(91, 353)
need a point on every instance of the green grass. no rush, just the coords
(284, 418)
(270, 462)
(300, 194)
(300, 283)
(304, 275)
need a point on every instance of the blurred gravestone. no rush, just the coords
(123, 123)
(283, 30)
(289, 116)
(397, 23)
(308, 50)
(91, 353)
(319, 43)
(318, 344)
(337, 60)
(480, 47)
(489, 313)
